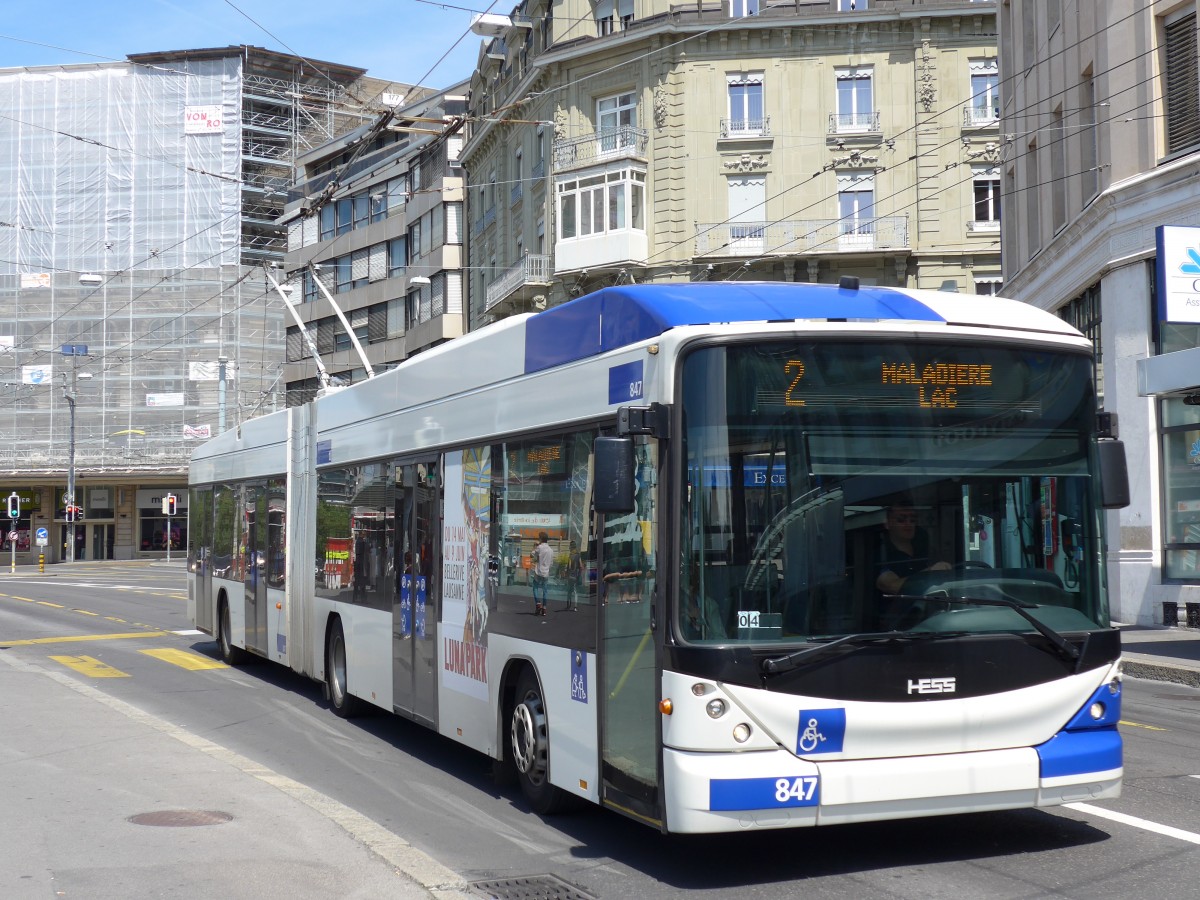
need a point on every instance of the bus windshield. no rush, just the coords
(834, 488)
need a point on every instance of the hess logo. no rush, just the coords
(932, 686)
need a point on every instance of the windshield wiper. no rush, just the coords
(777, 664)
(1068, 650)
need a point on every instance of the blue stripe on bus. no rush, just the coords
(764, 793)
(1081, 752)
(619, 316)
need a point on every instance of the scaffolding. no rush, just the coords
(138, 202)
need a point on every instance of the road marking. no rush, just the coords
(85, 612)
(48, 603)
(81, 637)
(188, 632)
(1165, 830)
(1140, 725)
(193, 662)
(89, 666)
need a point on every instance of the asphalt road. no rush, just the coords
(96, 619)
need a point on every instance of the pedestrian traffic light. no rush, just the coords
(169, 505)
(14, 506)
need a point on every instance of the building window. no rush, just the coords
(986, 185)
(1180, 90)
(989, 286)
(397, 256)
(412, 310)
(1179, 442)
(740, 9)
(616, 117)
(1058, 171)
(1083, 313)
(1089, 154)
(851, 5)
(454, 213)
(345, 215)
(745, 104)
(747, 213)
(1033, 202)
(855, 101)
(984, 107)
(856, 204)
(414, 240)
(343, 274)
(378, 203)
(609, 201)
(328, 221)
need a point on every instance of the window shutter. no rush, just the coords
(1182, 92)
(377, 264)
(359, 265)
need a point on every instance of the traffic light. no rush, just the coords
(14, 506)
(169, 504)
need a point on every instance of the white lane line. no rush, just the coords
(188, 632)
(1166, 830)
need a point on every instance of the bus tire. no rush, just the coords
(230, 655)
(529, 739)
(340, 700)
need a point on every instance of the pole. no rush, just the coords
(168, 538)
(70, 504)
(221, 361)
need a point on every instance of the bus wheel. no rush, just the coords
(530, 741)
(230, 654)
(340, 701)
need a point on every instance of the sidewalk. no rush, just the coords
(102, 800)
(1162, 654)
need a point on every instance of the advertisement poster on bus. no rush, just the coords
(468, 475)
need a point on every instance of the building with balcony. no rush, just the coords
(1104, 106)
(138, 202)
(375, 244)
(645, 140)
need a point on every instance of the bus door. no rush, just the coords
(254, 556)
(629, 718)
(200, 555)
(415, 607)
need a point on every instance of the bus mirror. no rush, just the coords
(1114, 474)
(614, 475)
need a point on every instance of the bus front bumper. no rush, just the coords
(720, 792)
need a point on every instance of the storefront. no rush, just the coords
(1172, 378)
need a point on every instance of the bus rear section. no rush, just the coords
(891, 598)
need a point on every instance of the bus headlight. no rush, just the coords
(1097, 710)
(715, 708)
(741, 733)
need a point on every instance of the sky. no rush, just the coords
(397, 40)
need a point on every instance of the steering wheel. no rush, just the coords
(971, 564)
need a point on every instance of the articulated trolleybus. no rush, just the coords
(717, 556)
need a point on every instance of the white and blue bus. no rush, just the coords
(818, 554)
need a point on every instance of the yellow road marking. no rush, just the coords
(193, 662)
(84, 612)
(81, 637)
(48, 603)
(1140, 725)
(89, 666)
(116, 619)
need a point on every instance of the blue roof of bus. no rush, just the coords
(618, 316)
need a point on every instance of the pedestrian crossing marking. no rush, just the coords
(193, 662)
(90, 666)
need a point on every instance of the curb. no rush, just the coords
(1159, 672)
